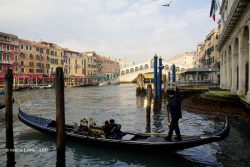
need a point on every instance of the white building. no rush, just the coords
(233, 45)
(185, 60)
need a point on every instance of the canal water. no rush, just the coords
(103, 103)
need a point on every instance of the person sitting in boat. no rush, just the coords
(106, 129)
(118, 134)
(83, 125)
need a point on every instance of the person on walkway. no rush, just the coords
(174, 107)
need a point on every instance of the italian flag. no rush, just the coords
(214, 7)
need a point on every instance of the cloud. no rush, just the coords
(124, 28)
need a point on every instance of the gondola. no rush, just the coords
(2, 105)
(131, 141)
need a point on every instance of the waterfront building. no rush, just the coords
(208, 55)
(125, 63)
(184, 60)
(32, 59)
(8, 52)
(54, 56)
(206, 61)
(73, 63)
(107, 67)
(90, 69)
(233, 45)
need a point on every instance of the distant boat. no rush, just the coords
(49, 86)
(130, 141)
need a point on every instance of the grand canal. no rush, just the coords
(103, 103)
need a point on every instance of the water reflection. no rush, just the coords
(82, 155)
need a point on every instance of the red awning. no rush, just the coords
(22, 76)
(34, 76)
(2, 75)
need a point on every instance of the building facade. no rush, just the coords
(54, 56)
(9, 50)
(32, 59)
(233, 45)
(73, 63)
(208, 55)
(90, 68)
(107, 67)
(185, 60)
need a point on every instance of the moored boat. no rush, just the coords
(131, 141)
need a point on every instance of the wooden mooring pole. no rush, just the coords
(148, 108)
(9, 118)
(60, 117)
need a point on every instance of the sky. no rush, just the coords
(131, 29)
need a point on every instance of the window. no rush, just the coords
(37, 49)
(1, 68)
(56, 61)
(8, 47)
(16, 57)
(52, 52)
(62, 62)
(22, 63)
(37, 57)
(41, 50)
(55, 53)
(47, 51)
(47, 66)
(22, 70)
(31, 70)
(30, 48)
(31, 56)
(31, 64)
(52, 61)
(8, 57)
(1, 57)
(21, 46)
(47, 58)
(27, 47)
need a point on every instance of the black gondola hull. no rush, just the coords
(39, 124)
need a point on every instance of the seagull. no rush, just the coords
(168, 4)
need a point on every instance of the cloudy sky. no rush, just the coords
(134, 29)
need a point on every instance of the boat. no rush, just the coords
(130, 141)
(2, 105)
(49, 86)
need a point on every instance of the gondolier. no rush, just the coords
(174, 108)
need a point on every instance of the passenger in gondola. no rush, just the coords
(118, 134)
(83, 125)
(113, 126)
(106, 129)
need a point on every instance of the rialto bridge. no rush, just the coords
(130, 74)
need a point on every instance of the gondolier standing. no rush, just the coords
(174, 107)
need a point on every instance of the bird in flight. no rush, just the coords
(168, 4)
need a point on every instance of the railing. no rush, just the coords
(195, 83)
